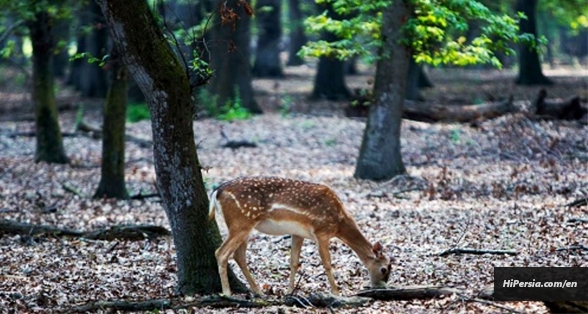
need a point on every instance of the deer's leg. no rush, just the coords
(325, 254)
(242, 262)
(294, 259)
(232, 242)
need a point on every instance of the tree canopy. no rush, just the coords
(436, 34)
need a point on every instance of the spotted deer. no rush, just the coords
(305, 210)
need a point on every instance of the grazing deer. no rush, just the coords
(304, 210)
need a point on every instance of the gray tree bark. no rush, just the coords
(380, 155)
(230, 58)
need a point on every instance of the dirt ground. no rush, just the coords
(503, 184)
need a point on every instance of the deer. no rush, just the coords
(304, 210)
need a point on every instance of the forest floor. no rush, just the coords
(500, 185)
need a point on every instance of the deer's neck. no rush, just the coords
(349, 233)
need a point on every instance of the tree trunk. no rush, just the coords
(530, 72)
(89, 78)
(267, 56)
(112, 179)
(160, 75)
(379, 155)
(61, 57)
(413, 91)
(49, 138)
(297, 35)
(230, 59)
(329, 81)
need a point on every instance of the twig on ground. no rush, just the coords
(477, 252)
(491, 303)
(73, 190)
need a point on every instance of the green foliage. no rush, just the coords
(571, 13)
(231, 110)
(435, 33)
(90, 57)
(138, 112)
(286, 105)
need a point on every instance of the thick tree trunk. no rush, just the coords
(379, 156)
(413, 91)
(267, 56)
(230, 59)
(530, 72)
(49, 138)
(297, 35)
(329, 81)
(112, 179)
(160, 75)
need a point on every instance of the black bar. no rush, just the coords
(541, 283)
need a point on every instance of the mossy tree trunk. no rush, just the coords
(159, 73)
(49, 139)
(112, 176)
(380, 156)
(230, 58)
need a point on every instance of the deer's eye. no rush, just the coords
(384, 270)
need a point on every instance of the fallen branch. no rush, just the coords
(486, 302)
(576, 219)
(216, 301)
(426, 112)
(568, 109)
(235, 144)
(96, 132)
(141, 196)
(578, 202)
(72, 190)
(573, 248)
(325, 301)
(149, 305)
(477, 252)
(23, 228)
(126, 232)
(408, 293)
(33, 134)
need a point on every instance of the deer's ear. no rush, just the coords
(377, 249)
